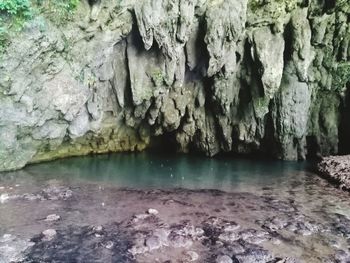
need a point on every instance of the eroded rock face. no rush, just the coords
(214, 76)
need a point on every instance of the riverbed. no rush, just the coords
(171, 208)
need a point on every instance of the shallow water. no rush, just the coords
(255, 211)
(154, 170)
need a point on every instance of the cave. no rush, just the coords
(212, 131)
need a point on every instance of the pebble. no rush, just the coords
(191, 256)
(178, 241)
(152, 211)
(109, 245)
(153, 243)
(138, 218)
(53, 217)
(98, 231)
(97, 228)
(4, 198)
(7, 237)
(229, 237)
(49, 234)
(231, 227)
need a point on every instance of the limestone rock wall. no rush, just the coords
(244, 76)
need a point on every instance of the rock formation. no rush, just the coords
(243, 76)
(337, 170)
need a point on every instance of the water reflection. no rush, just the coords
(152, 170)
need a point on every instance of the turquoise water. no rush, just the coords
(306, 217)
(153, 170)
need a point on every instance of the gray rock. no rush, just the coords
(219, 76)
(153, 243)
(49, 234)
(53, 217)
(191, 256)
(337, 169)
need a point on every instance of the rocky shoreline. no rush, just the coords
(300, 219)
(337, 170)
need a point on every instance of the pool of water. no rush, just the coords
(152, 207)
(155, 170)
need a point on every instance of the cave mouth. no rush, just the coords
(163, 144)
(344, 128)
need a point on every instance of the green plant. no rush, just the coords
(59, 11)
(15, 8)
(15, 13)
(341, 76)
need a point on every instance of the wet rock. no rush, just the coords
(32, 197)
(49, 234)
(224, 259)
(230, 227)
(254, 255)
(152, 211)
(98, 231)
(153, 243)
(286, 260)
(109, 245)
(180, 241)
(276, 223)
(12, 248)
(337, 169)
(254, 236)
(52, 218)
(229, 237)
(4, 198)
(137, 249)
(57, 193)
(140, 217)
(304, 228)
(162, 235)
(79, 243)
(341, 225)
(190, 256)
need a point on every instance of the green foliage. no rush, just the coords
(59, 11)
(3, 38)
(15, 13)
(341, 76)
(15, 7)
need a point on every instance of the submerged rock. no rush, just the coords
(12, 248)
(53, 217)
(191, 256)
(152, 211)
(49, 234)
